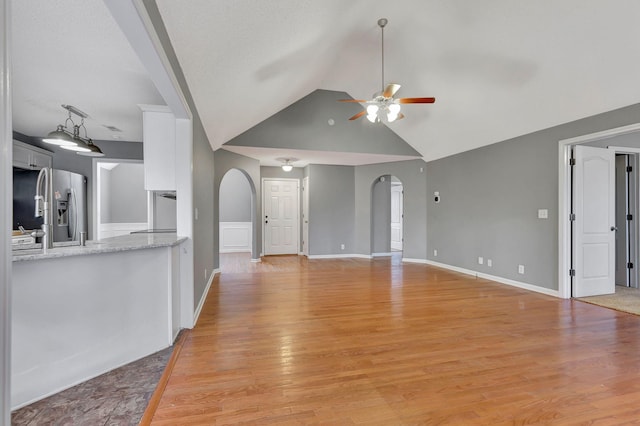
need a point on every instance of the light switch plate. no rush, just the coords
(543, 214)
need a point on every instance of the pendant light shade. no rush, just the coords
(73, 142)
(94, 151)
(59, 137)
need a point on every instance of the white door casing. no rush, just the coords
(280, 201)
(305, 216)
(397, 212)
(594, 236)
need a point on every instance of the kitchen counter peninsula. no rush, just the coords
(80, 311)
(107, 245)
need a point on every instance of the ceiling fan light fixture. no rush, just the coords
(372, 117)
(372, 109)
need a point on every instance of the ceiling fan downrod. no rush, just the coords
(382, 22)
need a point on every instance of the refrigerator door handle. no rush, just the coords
(73, 209)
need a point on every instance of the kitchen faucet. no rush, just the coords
(43, 200)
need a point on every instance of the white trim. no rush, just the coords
(501, 280)
(258, 260)
(381, 254)
(204, 296)
(410, 260)
(338, 256)
(624, 149)
(6, 206)
(564, 193)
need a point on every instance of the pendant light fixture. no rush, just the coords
(286, 163)
(63, 138)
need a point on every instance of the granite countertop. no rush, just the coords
(107, 245)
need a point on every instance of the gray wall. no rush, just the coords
(225, 161)
(305, 125)
(414, 183)
(490, 198)
(331, 209)
(235, 197)
(128, 198)
(381, 215)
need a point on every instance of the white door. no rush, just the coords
(396, 217)
(305, 216)
(594, 224)
(281, 226)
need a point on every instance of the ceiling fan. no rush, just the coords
(384, 107)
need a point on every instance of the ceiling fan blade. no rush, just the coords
(416, 100)
(400, 116)
(358, 115)
(390, 90)
(352, 100)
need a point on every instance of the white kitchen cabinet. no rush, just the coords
(30, 157)
(159, 148)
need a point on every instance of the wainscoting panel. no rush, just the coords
(107, 230)
(235, 237)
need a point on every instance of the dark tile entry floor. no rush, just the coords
(118, 397)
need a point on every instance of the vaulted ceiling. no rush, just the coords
(498, 68)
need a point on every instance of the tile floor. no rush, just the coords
(118, 397)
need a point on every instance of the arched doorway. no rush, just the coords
(387, 203)
(237, 218)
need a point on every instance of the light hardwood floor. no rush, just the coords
(352, 341)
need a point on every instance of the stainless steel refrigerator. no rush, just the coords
(68, 206)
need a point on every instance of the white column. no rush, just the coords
(6, 214)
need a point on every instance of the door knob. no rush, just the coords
(614, 228)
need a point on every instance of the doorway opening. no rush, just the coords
(237, 220)
(387, 214)
(598, 207)
(120, 202)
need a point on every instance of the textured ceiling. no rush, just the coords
(73, 52)
(498, 68)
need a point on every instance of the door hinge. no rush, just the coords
(629, 169)
(629, 217)
(572, 161)
(572, 217)
(630, 265)
(572, 272)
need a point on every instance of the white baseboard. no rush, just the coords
(501, 280)
(338, 256)
(204, 296)
(381, 254)
(410, 260)
(258, 260)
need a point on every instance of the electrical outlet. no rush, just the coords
(480, 260)
(196, 213)
(435, 253)
(341, 246)
(489, 263)
(205, 273)
(521, 269)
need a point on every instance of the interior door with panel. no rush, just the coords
(594, 221)
(396, 216)
(281, 218)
